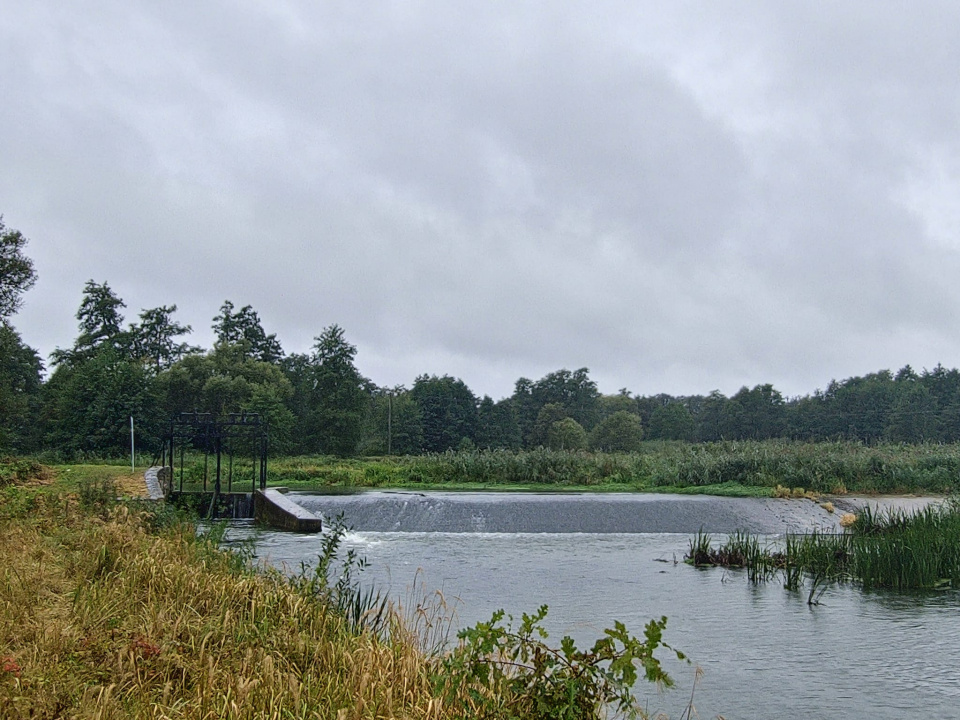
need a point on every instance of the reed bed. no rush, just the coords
(886, 550)
(835, 467)
(902, 551)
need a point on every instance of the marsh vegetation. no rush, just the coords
(889, 549)
(733, 468)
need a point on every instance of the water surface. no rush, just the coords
(765, 653)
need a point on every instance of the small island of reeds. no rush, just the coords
(880, 549)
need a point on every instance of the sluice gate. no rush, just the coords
(215, 465)
(218, 468)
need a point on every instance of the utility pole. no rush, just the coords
(390, 422)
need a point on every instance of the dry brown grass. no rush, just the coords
(99, 618)
(134, 486)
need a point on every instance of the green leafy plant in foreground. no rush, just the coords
(498, 671)
(334, 578)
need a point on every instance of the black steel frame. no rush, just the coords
(218, 439)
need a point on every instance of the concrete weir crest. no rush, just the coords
(269, 506)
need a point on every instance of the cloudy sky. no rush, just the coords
(681, 196)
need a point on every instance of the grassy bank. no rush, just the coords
(741, 468)
(119, 610)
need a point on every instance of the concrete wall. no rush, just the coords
(272, 508)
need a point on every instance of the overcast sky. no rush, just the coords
(681, 196)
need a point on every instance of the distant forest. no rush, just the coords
(319, 402)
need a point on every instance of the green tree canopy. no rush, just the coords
(154, 338)
(609, 404)
(574, 391)
(20, 384)
(16, 270)
(243, 328)
(497, 426)
(448, 411)
(754, 414)
(672, 421)
(566, 434)
(90, 404)
(549, 414)
(620, 432)
(393, 424)
(100, 324)
(227, 381)
(330, 394)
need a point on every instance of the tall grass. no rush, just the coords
(113, 610)
(882, 550)
(819, 467)
(902, 551)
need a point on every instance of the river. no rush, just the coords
(594, 559)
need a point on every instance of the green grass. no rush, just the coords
(727, 489)
(71, 477)
(741, 469)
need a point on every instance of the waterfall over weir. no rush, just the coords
(498, 512)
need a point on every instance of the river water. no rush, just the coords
(764, 652)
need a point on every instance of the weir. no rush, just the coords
(469, 512)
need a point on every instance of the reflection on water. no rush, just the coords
(765, 653)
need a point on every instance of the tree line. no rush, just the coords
(318, 402)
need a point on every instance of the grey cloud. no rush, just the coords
(680, 197)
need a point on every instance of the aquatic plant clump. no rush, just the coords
(880, 550)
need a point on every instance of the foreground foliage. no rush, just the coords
(500, 671)
(117, 610)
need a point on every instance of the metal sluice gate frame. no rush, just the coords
(222, 440)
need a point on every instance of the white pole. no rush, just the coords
(133, 469)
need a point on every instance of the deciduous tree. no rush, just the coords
(20, 383)
(244, 329)
(448, 411)
(620, 432)
(16, 270)
(566, 434)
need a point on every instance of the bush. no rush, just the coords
(621, 432)
(500, 672)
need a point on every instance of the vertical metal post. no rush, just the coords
(218, 444)
(206, 456)
(263, 457)
(133, 450)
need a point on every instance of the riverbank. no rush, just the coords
(118, 609)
